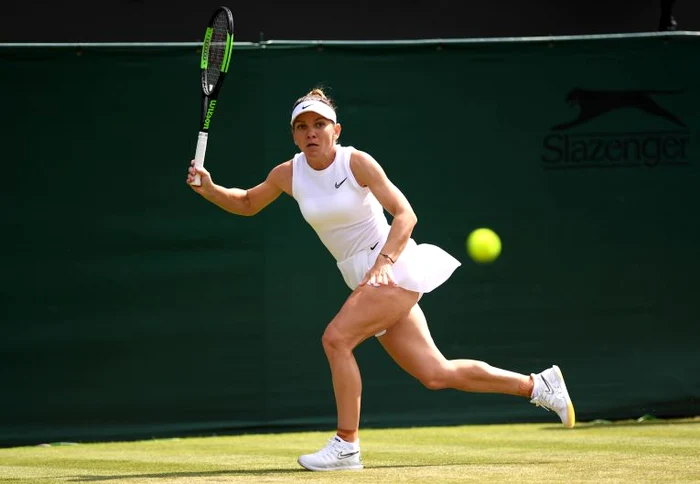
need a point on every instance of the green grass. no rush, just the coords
(630, 452)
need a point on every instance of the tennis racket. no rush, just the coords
(216, 56)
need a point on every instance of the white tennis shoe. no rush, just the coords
(337, 455)
(550, 393)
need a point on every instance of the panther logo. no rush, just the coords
(596, 103)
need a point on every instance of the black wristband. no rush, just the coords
(385, 255)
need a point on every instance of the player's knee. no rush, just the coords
(434, 379)
(333, 342)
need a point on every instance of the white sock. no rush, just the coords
(355, 445)
(537, 385)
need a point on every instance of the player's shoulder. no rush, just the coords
(282, 170)
(285, 165)
(362, 164)
(364, 167)
(281, 176)
(359, 158)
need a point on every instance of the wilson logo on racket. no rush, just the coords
(210, 113)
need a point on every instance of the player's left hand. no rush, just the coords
(380, 274)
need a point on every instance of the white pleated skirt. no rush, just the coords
(420, 267)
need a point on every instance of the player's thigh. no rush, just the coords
(411, 346)
(367, 311)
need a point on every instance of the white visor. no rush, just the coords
(317, 107)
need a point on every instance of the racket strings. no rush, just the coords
(217, 49)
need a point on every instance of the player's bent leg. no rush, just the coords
(411, 346)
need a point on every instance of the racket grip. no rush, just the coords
(199, 155)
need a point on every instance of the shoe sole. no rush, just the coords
(356, 467)
(571, 420)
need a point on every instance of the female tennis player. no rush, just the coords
(342, 193)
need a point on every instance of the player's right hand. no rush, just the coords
(204, 175)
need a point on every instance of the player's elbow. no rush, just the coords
(248, 207)
(407, 220)
(410, 218)
(240, 206)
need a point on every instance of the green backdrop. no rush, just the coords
(133, 308)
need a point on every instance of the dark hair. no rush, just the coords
(316, 94)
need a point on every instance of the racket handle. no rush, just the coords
(199, 155)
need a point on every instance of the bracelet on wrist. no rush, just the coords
(387, 256)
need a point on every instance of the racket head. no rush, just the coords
(216, 51)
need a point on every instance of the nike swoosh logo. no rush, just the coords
(304, 107)
(337, 185)
(345, 456)
(549, 388)
(374, 246)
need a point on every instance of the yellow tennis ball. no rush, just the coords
(483, 245)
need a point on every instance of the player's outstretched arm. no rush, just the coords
(239, 201)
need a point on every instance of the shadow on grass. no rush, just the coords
(268, 472)
(180, 475)
(602, 424)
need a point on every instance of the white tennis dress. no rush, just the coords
(352, 225)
